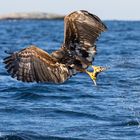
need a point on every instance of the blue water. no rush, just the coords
(76, 109)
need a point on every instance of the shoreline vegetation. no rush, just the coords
(31, 15)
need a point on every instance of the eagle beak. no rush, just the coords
(96, 71)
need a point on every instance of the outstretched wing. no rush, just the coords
(33, 64)
(81, 32)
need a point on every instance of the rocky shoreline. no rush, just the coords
(33, 15)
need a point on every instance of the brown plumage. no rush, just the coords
(75, 55)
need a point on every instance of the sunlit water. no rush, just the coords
(76, 109)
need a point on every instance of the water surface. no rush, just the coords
(76, 109)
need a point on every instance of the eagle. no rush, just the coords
(76, 54)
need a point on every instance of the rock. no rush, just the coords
(33, 15)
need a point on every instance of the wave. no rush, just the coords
(131, 123)
(71, 113)
(127, 123)
(34, 136)
(28, 95)
(37, 96)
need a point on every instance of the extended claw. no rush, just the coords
(96, 71)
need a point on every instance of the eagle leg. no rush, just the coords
(96, 71)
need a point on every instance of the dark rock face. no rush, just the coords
(34, 15)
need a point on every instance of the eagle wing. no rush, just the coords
(80, 34)
(34, 64)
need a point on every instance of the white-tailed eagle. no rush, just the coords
(76, 54)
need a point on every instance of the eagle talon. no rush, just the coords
(96, 71)
(93, 76)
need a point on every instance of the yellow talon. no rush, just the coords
(96, 71)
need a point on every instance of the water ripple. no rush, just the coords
(76, 109)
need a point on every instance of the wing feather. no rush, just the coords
(33, 64)
(81, 32)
